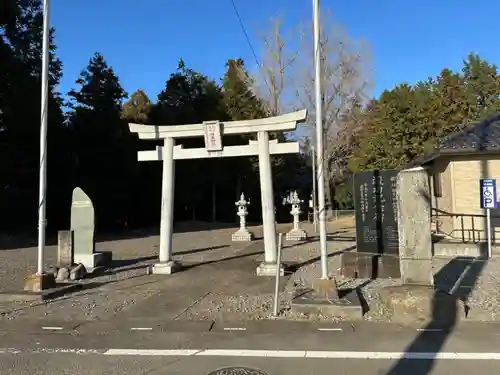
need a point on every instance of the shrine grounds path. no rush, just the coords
(219, 281)
(218, 284)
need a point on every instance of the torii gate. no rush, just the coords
(213, 132)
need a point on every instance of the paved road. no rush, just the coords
(78, 365)
(275, 347)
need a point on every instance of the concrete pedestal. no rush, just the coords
(94, 260)
(326, 299)
(346, 306)
(269, 269)
(242, 235)
(166, 268)
(296, 235)
(38, 283)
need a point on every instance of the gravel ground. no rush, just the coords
(479, 288)
(231, 305)
(124, 286)
(128, 286)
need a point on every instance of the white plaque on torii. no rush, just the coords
(213, 136)
(213, 132)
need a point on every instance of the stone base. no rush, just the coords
(370, 266)
(94, 260)
(166, 268)
(296, 235)
(326, 287)
(417, 271)
(346, 304)
(422, 304)
(37, 283)
(242, 235)
(269, 269)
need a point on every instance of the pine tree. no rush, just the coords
(452, 107)
(104, 148)
(239, 100)
(137, 108)
(408, 121)
(482, 84)
(21, 24)
(190, 97)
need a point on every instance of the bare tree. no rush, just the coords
(344, 86)
(273, 82)
(286, 79)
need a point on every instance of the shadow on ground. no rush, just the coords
(454, 285)
(19, 240)
(294, 267)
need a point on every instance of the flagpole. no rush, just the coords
(319, 144)
(42, 201)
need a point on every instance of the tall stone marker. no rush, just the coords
(414, 227)
(83, 226)
(377, 241)
(65, 248)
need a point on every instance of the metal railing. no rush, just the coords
(333, 215)
(471, 227)
(340, 214)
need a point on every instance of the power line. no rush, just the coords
(245, 33)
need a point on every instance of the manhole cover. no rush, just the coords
(237, 371)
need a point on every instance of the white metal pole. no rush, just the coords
(488, 230)
(314, 195)
(42, 201)
(278, 272)
(319, 144)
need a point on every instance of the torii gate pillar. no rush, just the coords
(213, 132)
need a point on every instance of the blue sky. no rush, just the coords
(143, 41)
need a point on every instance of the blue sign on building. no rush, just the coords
(488, 191)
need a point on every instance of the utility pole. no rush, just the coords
(319, 143)
(42, 194)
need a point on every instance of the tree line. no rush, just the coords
(363, 132)
(90, 146)
(408, 121)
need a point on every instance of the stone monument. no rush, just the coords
(65, 248)
(414, 227)
(377, 237)
(296, 233)
(242, 234)
(393, 235)
(416, 296)
(82, 226)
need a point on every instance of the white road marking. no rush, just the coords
(315, 354)
(235, 329)
(141, 329)
(429, 330)
(458, 283)
(153, 352)
(53, 328)
(330, 329)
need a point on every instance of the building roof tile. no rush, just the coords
(482, 136)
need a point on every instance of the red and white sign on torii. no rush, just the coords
(213, 131)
